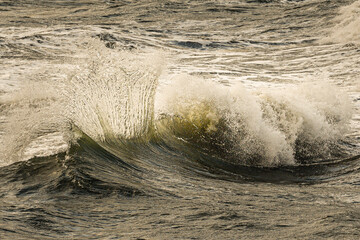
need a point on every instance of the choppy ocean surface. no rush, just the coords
(175, 119)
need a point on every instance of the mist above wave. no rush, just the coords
(112, 94)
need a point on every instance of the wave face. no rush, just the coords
(179, 119)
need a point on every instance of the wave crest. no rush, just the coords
(277, 127)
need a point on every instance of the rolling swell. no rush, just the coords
(86, 168)
(133, 168)
(137, 167)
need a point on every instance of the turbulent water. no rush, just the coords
(175, 119)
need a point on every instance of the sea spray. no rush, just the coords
(34, 122)
(107, 94)
(111, 96)
(347, 25)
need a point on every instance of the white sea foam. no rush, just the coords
(32, 112)
(272, 126)
(347, 28)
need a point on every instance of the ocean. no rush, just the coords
(177, 119)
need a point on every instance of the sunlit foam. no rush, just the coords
(261, 127)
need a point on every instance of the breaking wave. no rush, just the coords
(114, 99)
(261, 127)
